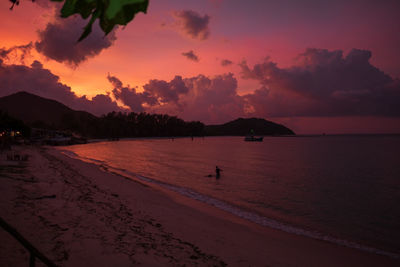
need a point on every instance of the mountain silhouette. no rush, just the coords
(39, 112)
(33, 109)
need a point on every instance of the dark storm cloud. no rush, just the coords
(324, 83)
(58, 41)
(193, 24)
(191, 55)
(226, 62)
(40, 81)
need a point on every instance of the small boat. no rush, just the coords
(252, 138)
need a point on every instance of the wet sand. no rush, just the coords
(79, 215)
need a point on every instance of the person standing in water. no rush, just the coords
(217, 172)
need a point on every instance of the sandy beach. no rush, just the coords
(80, 215)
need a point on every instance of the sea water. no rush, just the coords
(341, 189)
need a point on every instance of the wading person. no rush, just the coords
(217, 172)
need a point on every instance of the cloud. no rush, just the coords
(164, 91)
(208, 99)
(58, 41)
(323, 83)
(193, 24)
(191, 55)
(40, 81)
(46, 4)
(128, 96)
(17, 53)
(226, 62)
(212, 99)
(155, 93)
(101, 104)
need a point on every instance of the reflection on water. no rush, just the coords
(345, 186)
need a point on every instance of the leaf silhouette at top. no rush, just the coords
(109, 12)
(14, 2)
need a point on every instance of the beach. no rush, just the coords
(78, 214)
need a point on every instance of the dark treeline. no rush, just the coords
(117, 124)
(9, 123)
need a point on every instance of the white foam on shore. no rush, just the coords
(250, 216)
(73, 155)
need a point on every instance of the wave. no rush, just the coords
(250, 216)
(73, 155)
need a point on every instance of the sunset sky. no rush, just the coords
(314, 65)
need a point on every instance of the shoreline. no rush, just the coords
(89, 141)
(99, 218)
(246, 214)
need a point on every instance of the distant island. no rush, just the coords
(25, 113)
(243, 127)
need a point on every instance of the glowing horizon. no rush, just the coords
(153, 45)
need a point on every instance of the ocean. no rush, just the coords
(341, 189)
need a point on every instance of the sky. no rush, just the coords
(316, 66)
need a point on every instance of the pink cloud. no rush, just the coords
(324, 83)
(208, 99)
(127, 95)
(226, 62)
(59, 41)
(19, 52)
(193, 24)
(191, 56)
(166, 92)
